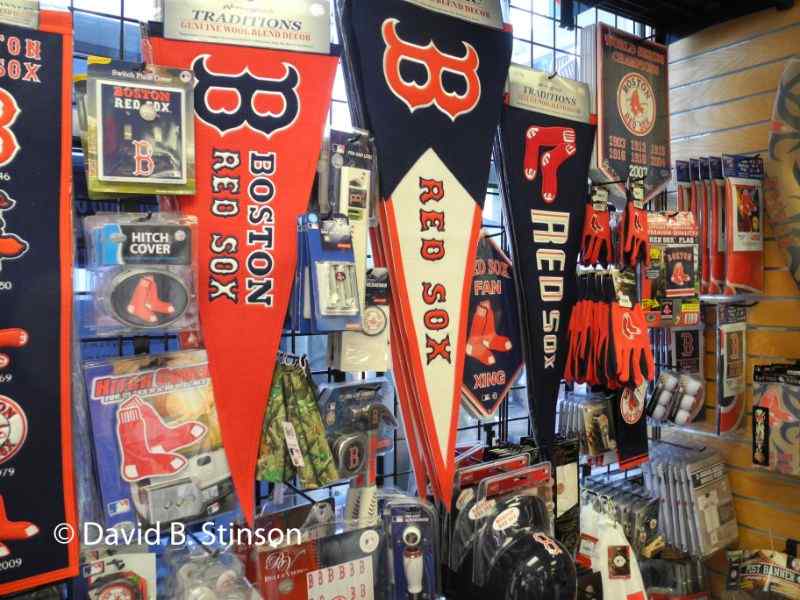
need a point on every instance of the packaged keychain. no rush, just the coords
(140, 128)
(142, 273)
(776, 418)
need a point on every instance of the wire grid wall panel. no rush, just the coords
(112, 28)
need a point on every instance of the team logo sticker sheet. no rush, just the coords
(140, 128)
(494, 350)
(544, 148)
(259, 116)
(428, 85)
(36, 295)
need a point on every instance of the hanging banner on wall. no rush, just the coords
(494, 350)
(259, 117)
(36, 295)
(628, 79)
(545, 145)
(430, 86)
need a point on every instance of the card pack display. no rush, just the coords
(671, 282)
(494, 346)
(697, 505)
(342, 565)
(731, 360)
(140, 130)
(744, 212)
(37, 490)
(293, 441)
(776, 418)
(255, 171)
(142, 270)
(628, 78)
(544, 150)
(157, 443)
(126, 575)
(412, 528)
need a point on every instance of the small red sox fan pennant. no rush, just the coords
(430, 89)
(259, 123)
(545, 146)
(37, 495)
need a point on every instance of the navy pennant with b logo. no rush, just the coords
(545, 146)
(431, 89)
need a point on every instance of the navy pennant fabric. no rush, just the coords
(545, 166)
(430, 89)
(452, 107)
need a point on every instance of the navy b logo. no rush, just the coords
(228, 102)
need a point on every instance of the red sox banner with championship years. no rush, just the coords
(545, 145)
(430, 89)
(259, 118)
(628, 76)
(36, 295)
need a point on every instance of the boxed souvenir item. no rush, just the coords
(157, 441)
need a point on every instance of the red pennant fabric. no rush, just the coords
(259, 118)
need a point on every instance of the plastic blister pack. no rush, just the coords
(677, 397)
(142, 273)
(413, 554)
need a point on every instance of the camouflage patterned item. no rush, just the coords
(293, 400)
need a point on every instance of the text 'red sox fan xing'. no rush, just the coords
(259, 117)
(430, 89)
(545, 147)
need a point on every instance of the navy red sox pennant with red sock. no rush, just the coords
(259, 117)
(35, 328)
(430, 90)
(545, 145)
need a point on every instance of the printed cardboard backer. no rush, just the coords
(157, 439)
(494, 347)
(254, 176)
(300, 25)
(36, 325)
(24, 13)
(482, 12)
(140, 131)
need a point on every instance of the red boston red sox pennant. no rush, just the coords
(259, 118)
